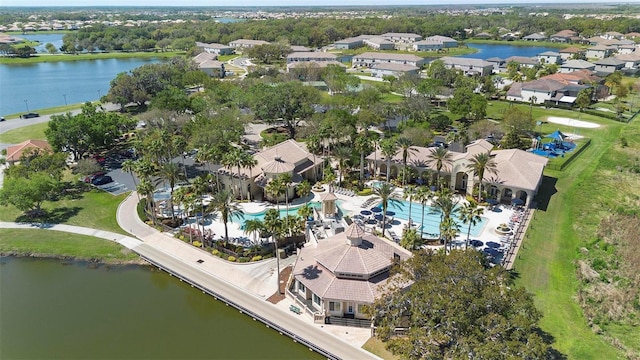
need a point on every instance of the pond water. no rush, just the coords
(486, 51)
(48, 84)
(44, 39)
(70, 310)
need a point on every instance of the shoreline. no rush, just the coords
(46, 58)
(97, 261)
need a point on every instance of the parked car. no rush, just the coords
(2, 118)
(105, 179)
(89, 178)
(29, 115)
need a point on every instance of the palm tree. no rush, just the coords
(247, 161)
(481, 163)
(442, 158)
(470, 214)
(423, 194)
(386, 194)
(388, 150)
(342, 155)
(447, 206)
(305, 211)
(224, 203)
(273, 224)
(254, 226)
(448, 230)
(405, 144)
(410, 239)
(286, 179)
(303, 189)
(146, 188)
(201, 186)
(409, 194)
(362, 145)
(181, 200)
(130, 166)
(172, 173)
(231, 159)
(329, 177)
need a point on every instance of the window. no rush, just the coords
(360, 308)
(316, 299)
(334, 306)
(301, 287)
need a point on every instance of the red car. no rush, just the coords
(89, 178)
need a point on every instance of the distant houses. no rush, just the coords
(369, 59)
(218, 49)
(246, 43)
(468, 66)
(208, 63)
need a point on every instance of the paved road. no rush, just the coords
(11, 124)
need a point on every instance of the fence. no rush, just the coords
(567, 160)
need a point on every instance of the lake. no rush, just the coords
(44, 38)
(504, 51)
(50, 84)
(73, 310)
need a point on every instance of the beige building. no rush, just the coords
(340, 275)
(289, 157)
(518, 177)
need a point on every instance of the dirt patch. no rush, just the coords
(284, 277)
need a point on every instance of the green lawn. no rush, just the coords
(47, 243)
(34, 132)
(94, 209)
(93, 56)
(377, 347)
(545, 265)
(47, 111)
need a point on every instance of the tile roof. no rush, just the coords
(312, 55)
(395, 67)
(578, 64)
(205, 56)
(543, 84)
(465, 61)
(610, 61)
(519, 168)
(571, 50)
(14, 152)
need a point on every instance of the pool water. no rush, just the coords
(431, 217)
(293, 210)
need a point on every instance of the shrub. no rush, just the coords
(365, 192)
(181, 237)
(256, 258)
(215, 252)
(243, 259)
(197, 244)
(239, 249)
(232, 258)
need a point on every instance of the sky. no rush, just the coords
(263, 3)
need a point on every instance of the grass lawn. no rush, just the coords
(545, 265)
(94, 56)
(47, 243)
(376, 347)
(94, 209)
(35, 132)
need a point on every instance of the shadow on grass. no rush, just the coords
(546, 191)
(55, 216)
(72, 191)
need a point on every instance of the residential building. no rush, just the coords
(392, 69)
(549, 57)
(609, 35)
(523, 61)
(218, 49)
(570, 53)
(289, 157)
(609, 65)
(299, 48)
(599, 52)
(535, 37)
(519, 173)
(575, 65)
(497, 63)
(545, 90)
(368, 59)
(632, 60)
(627, 49)
(427, 45)
(208, 63)
(446, 41)
(402, 37)
(468, 66)
(564, 36)
(246, 43)
(379, 43)
(300, 67)
(349, 43)
(343, 273)
(316, 56)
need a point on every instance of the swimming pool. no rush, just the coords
(431, 217)
(293, 210)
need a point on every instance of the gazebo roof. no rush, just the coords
(328, 196)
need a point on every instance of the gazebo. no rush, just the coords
(329, 205)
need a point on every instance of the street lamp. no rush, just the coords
(65, 99)
(26, 103)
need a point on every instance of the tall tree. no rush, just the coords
(224, 203)
(406, 146)
(342, 155)
(470, 213)
(481, 163)
(385, 192)
(423, 195)
(441, 158)
(447, 206)
(389, 149)
(274, 225)
(171, 173)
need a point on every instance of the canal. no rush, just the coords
(75, 310)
